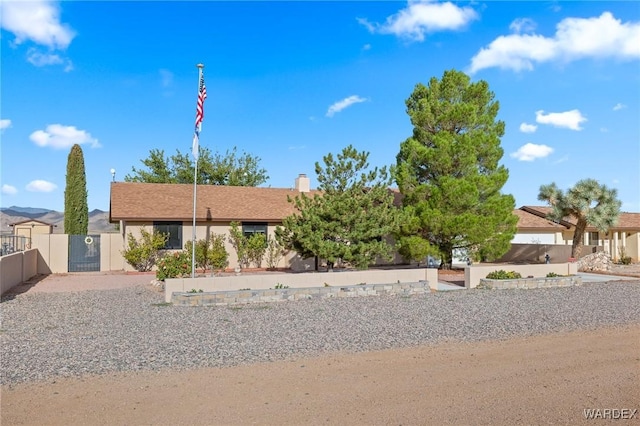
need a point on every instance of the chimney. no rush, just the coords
(302, 183)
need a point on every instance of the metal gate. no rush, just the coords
(84, 253)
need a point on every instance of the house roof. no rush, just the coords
(531, 221)
(22, 222)
(626, 221)
(158, 201)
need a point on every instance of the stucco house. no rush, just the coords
(535, 228)
(169, 208)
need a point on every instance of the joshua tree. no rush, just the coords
(589, 202)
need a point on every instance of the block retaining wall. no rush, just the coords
(219, 298)
(526, 283)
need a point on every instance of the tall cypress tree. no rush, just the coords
(76, 209)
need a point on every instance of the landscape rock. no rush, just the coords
(598, 262)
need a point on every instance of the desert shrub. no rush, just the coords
(623, 258)
(210, 254)
(142, 254)
(256, 248)
(239, 243)
(174, 265)
(553, 275)
(503, 275)
(219, 256)
(275, 252)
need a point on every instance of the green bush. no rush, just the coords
(553, 275)
(275, 252)
(142, 255)
(239, 243)
(174, 265)
(503, 275)
(210, 254)
(256, 248)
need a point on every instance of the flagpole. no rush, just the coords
(195, 186)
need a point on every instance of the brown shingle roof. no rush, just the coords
(528, 221)
(627, 221)
(159, 201)
(30, 220)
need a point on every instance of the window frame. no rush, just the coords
(251, 228)
(174, 242)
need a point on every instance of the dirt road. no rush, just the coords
(540, 380)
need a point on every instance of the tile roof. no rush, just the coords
(626, 221)
(158, 201)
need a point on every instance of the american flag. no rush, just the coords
(202, 95)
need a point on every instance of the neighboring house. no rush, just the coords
(169, 208)
(535, 228)
(28, 228)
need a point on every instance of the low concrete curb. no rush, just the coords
(221, 298)
(528, 283)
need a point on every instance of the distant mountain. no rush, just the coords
(98, 219)
(29, 212)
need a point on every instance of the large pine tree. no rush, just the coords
(350, 219)
(449, 174)
(76, 209)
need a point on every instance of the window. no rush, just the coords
(173, 230)
(250, 228)
(593, 239)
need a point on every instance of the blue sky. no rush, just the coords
(292, 81)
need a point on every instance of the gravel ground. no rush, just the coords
(49, 335)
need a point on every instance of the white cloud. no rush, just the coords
(37, 21)
(568, 119)
(522, 25)
(530, 152)
(40, 59)
(8, 189)
(575, 38)
(58, 136)
(41, 186)
(366, 47)
(422, 17)
(346, 102)
(604, 129)
(5, 123)
(528, 128)
(619, 106)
